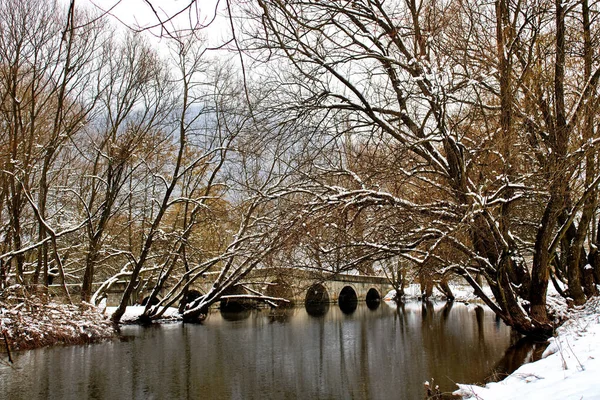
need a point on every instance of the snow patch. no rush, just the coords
(568, 370)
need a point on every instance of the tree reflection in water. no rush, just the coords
(317, 352)
(523, 351)
(280, 314)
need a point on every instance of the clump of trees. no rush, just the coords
(463, 133)
(432, 138)
(122, 164)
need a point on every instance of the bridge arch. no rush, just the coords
(189, 296)
(317, 300)
(154, 301)
(235, 305)
(282, 289)
(317, 293)
(373, 298)
(348, 299)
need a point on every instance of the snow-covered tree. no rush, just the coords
(481, 113)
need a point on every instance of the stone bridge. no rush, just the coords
(298, 286)
(307, 287)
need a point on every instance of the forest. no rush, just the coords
(421, 140)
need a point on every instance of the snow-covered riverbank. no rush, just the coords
(132, 313)
(462, 293)
(568, 370)
(28, 322)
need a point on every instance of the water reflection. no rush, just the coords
(385, 353)
(348, 306)
(373, 304)
(524, 350)
(236, 314)
(317, 309)
(281, 315)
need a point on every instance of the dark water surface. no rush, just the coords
(386, 353)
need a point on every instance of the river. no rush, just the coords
(380, 353)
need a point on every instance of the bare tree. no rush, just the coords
(244, 169)
(46, 98)
(478, 101)
(135, 104)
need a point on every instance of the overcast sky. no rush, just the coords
(139, 14)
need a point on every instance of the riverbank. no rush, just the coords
(567, 371)
(32, 321)
(569, 368)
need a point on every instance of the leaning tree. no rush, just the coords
(488, 110)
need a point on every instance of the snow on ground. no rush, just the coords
(462, 293)
(569, 368)
(133, 312)
(31, 320)
(35, 321)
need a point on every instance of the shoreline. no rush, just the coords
(568, 370)
(35, 322)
